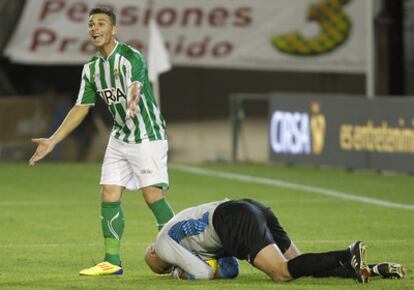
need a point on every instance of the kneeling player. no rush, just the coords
(248, 230)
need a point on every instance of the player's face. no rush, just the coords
(101, 30)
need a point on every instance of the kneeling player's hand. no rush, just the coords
(178, 273)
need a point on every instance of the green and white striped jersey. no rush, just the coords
(110, 79)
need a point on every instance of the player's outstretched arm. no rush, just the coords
(189, 265)
(134, 91)
(45, 145)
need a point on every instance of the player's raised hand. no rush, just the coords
(133, 98)
(132, 109)
(44, 146)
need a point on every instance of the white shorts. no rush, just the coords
(135, 166)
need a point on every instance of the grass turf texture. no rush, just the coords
(50, 224)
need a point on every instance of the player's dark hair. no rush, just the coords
(104, 10)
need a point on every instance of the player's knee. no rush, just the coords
(152, 194)
(111, 193)
(281, 275)
(228, 267)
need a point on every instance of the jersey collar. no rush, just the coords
(112, 52)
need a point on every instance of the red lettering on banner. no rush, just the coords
(148, 14)
(179, 45)
(51, 6)
(42, 37)
(166, 17)
(243, 17)
(218, 16)
(222, 49)
(198, 49)
(77, 12)
(87, 47)
(65, 42)
(109, 6)
(128, 15)
(205, 47)
(195, 11)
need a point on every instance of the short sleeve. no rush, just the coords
(87, 93)
(136, 69)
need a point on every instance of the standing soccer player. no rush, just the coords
(136, 154)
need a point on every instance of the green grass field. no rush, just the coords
(50, 222)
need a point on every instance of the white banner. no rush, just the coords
(306, 35)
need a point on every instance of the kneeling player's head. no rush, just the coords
(154, 262)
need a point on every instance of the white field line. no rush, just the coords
(41, 203)
(290, 185)
(402, 241)
(93, 245)
(55, 245)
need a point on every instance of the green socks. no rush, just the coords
(113, 223)
(162, 212)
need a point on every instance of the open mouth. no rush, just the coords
(96, 36)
